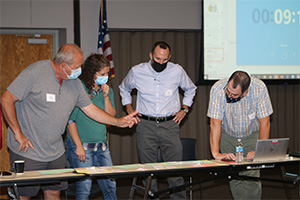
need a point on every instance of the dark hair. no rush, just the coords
(161, 44)
(240, 78)
(66, 54)
(91, 65)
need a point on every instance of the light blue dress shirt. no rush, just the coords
(157, 93)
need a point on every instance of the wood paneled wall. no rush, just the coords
(130, 48)
(16, 54)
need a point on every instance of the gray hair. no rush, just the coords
(66, 54)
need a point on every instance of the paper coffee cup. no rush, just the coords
(19, 166)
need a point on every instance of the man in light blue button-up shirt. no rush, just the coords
(160, 110)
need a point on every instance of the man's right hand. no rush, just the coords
(23, 141)
(225, 156)
(128, 120)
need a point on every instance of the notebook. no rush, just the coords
(270, 149)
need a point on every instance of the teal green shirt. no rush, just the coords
(89, 130)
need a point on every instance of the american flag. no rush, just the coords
(103, 39)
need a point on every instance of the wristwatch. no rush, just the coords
(186, 110)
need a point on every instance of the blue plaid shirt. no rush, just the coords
(240, 119)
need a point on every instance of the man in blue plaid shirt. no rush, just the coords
(239, 107)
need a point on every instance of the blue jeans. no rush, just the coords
(93, 158)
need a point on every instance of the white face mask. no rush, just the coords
(74, 73)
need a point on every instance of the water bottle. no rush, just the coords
(239, 151)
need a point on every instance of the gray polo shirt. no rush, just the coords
(43, 109)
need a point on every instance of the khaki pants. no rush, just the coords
(242, 189)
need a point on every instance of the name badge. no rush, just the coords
(251, 116)
(50, 97)
(169, 93)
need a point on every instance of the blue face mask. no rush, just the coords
(101, 80)
(74, 73)
(232, 100)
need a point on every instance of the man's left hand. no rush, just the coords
(178, 117)
(250, 155)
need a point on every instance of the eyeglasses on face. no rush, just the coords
(230, 93)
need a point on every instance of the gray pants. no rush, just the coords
(242, 189)
(150, 136)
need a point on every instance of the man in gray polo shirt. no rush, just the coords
(37, 106)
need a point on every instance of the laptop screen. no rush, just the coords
(271, 149)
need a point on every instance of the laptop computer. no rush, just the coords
(270, 149)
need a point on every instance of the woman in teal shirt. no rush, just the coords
(87, 140)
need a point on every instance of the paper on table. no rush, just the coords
(56, 171)
(147, 167)
(93, 170)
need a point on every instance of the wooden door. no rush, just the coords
(15, 55)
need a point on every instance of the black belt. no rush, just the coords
(157, 119)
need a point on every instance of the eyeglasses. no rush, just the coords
(230, 93)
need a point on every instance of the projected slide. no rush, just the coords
(261, 37)
(268, 32)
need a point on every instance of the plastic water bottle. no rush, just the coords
(239, 151)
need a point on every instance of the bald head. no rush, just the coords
(240, 78)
